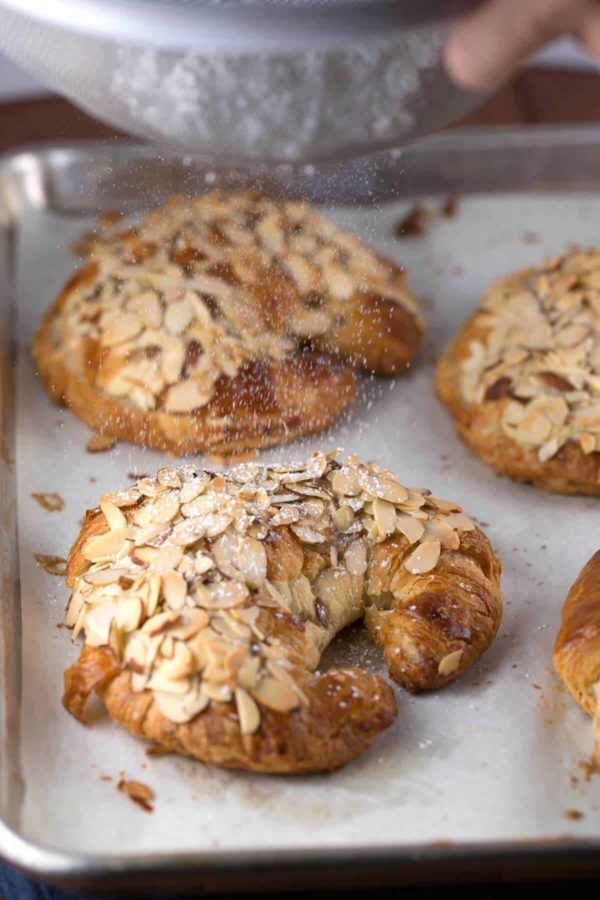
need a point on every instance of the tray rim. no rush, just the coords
(430, 863)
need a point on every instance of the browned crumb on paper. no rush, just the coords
(414, 223)
(573, 814)
(54, 565)
(530, 238)
(139, 792)
(52, 502)
(449, 206)
(589, 768)
(97, 443)
(137, 476)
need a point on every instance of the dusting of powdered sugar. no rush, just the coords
(286, 106)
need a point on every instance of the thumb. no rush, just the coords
(487, 44)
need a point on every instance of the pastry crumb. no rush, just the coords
(589, 768)
(50, 501)
(573, 814)
(139, 792)
(98, 442)
(449, 207)
(414, 223)
(54, 565)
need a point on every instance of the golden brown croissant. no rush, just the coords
(521, 379)
(207, 600)
(577, 646)
(223, 324)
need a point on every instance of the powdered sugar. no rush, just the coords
(297, 105)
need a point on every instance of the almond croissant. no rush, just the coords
(207, 599)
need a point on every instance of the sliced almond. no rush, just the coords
(121, 327)
(113, 515)
(104, 576)
(442, 531)
(450, 663)
(247, 710)
(98, 622)
(412, 528)
(129, 614)
(355, 557)
(172, 358)
(343, 517)
(189, 623)
(251, 560)
(424, 558)
(105, 545)
(181, 664)
(460, 522)
(183, 707)
(146, 306)
(165, 507)
(76, 605)
(185, 397)
(276, 695)
(247, 675)
(384, 514)
(178, 316)
(160, 623)
(174, 589)
(345, 482)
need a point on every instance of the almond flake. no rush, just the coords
(385, 516)
(355, 558)
(412, 528)
(180, 665)
(450, 663)
(174, 589)
(129, 614)
(98, 622)
(424, 558)
(146, 306)
(178, 316)
(276, 695)
(183, 707)
(113, 515)
(105, 545)
(460, 522)
(247, 710)
(185, 397)
(120, 328)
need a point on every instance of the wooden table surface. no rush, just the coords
(534, 95)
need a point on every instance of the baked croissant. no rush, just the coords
(577, 645)
(224, 324)
(207, 599)
(522, 377)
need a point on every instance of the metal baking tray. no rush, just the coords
(479, 781)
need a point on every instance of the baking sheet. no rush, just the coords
(489, 759)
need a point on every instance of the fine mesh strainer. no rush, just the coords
(247, 80)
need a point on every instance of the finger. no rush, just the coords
(588, 32)
(486, 45)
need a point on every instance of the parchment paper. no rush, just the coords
(489, 758)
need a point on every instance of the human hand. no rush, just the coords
(488, 43)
